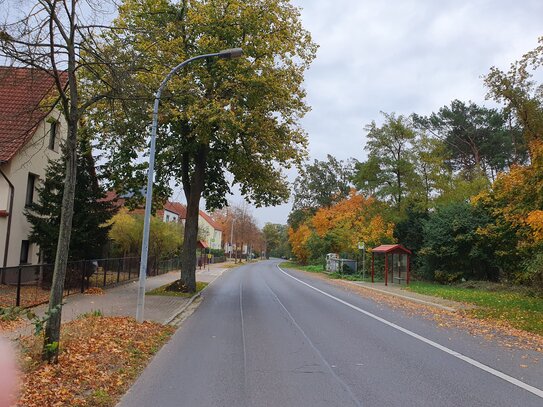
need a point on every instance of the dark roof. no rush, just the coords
(21, 93)
(389, 248)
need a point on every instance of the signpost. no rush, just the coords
(362, 246)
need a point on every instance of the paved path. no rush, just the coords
(267, 337)
(122, 300)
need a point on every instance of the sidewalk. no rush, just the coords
(396, 290)
(122, 300)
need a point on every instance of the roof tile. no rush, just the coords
(21, 91)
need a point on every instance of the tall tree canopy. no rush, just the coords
(276, 240)
(320, 184)
(477, 139)
(217, 117)
(521, 94)
(389, 170)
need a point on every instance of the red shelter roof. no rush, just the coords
(390, 248)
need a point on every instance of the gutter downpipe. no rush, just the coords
(10, 212)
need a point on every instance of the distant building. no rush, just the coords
(30, 136)
(208, 228)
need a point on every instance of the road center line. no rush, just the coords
(473, 362)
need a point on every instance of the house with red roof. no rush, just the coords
(209, 230)
(31, 133)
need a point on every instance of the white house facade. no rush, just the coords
(30, 136)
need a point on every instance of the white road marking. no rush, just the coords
(473, 362)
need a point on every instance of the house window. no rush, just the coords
(25, 247)
(53, 135)
(167, 218)
(30, 186)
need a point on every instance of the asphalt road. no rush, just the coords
(267, 337)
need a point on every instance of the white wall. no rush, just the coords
(32, 158)
(213, 237)
(170, 216)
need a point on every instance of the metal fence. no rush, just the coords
(29, 285)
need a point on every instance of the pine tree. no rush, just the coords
(91, 212)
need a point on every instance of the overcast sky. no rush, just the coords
(401, 56)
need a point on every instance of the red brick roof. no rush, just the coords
(211, 221)
(21, 91)
(177, 208)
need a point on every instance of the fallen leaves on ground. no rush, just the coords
(95, 291)
(31, 295)
(99, 359)
(6, 326)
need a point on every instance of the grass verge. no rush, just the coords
(319, 269)
(312, 268)
(175, 290)
(520, 310)
(99, 359)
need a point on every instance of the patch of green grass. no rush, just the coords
(351, 277)
(92, 314)
(101, 397)
(521, 310)
(313, 268)
(168, 291)
(319, 269)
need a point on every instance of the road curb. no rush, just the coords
(184, 307)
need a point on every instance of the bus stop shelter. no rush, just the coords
(392, 249)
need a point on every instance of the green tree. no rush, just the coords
(410, 231)
(322, 183)
(435, 177)
(166, 238)
(452, 247)
(389, 169)
(91, 211)
(477, 138)
(218, 117)
(276, 240)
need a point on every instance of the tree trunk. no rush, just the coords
(52, 327)
(193, 187)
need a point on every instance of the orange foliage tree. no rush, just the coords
(354, 219)
(515, 202)
(340, 227)
(298, 240)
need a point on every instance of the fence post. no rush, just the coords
(18, 298)
(83, 277)
(105, 272)
(119, 264)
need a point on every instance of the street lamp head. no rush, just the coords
(231, 53)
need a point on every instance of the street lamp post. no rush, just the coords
(232, 238)
(226, 54)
